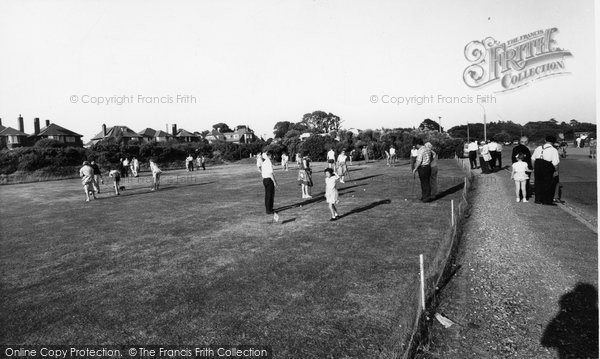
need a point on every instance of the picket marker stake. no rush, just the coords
(422, 283)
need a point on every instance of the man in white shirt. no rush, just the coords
(545, 167)
(472, 148)
(393, 154)
(413, 157)
(492, 149)
(499, 154)
(269, 181)
(259, 161)
(331, 158)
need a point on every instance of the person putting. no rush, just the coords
(305, 176)
(423, 167)
(331, 158)
(331, 193)
(342, 168)
(269, 182)
(116, 176)
(97, 176)
(87, 180)
(156, 172)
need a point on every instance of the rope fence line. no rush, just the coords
(437, 269)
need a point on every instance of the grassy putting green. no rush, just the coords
(200, 263)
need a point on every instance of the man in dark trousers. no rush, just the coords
(423, 167)
(522, 148)
(269, 181)
(472, 148)
(545, 164)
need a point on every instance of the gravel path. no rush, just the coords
(517, 261)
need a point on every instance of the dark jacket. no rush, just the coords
(524, 150)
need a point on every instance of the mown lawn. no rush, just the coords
(200, 263)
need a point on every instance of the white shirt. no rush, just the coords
(434, 158)
(330, 155)
(341, 159)
(472, 146)
(392, 151)
(267, 169)
(498, 147)
(520, 167)
(492, 146)
(414, 153)
(154, 168)
(546, 152)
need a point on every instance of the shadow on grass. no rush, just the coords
(316, 198)
(366, 208)
(574, 330)
(355, 169)
(146, 190)
(449, 191)
(288, 220)
(363, 178)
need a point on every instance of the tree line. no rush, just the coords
(507, 131)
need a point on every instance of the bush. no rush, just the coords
(317, 147)
(49, 143)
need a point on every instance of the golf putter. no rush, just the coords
(413, 185)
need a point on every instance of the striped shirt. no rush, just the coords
(423, 157)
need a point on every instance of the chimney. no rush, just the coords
(21, 126)
(174, 130)
(36, 125)
(47, 123)
(103, 130)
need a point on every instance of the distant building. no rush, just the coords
(120, 133)
(162, 136)
(11, 138)
(149, 135)
(186, 136)
(241, 134)
(55, 132)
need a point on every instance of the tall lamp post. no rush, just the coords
(440, 123)
(468, 137)
(484, 123)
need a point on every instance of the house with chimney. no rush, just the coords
(12, 138)
(121, 134)
(55, 132)
(149, 135)
(186, 136)
(241, 134)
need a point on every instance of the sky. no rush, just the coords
(259, 62)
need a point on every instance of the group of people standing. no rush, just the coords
(91, 176)
(543, 163)
(337, 170)
(125, 165)
(189, 162)
(425, 164)
(490, 155)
